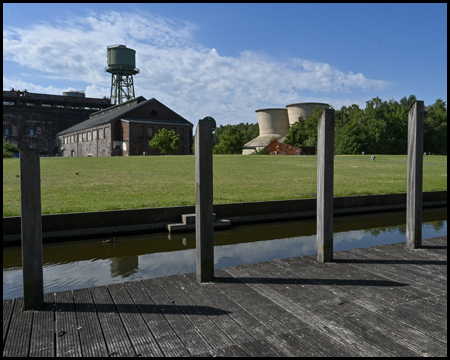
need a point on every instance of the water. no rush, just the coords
(79, 264)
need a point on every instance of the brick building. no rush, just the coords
(32, 120)
(124, 130)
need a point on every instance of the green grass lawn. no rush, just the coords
(110, 183)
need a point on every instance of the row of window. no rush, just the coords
(151, 132)
(32, 132)
(85, 136)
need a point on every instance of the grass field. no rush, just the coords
(111, 183)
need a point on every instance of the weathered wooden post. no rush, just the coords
(415, 176)
(31, 224)
(325, 165)
(204, 227)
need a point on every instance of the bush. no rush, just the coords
(9, 149)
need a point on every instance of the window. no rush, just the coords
(31, 131)
(94, 134)
(150, 132)
(100, 134)
(89, 136)
(79, 138)
(83, 136)
(6, 131)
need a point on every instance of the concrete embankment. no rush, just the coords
(60, 227)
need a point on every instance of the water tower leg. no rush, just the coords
(31, 224)
(325, 168)
(204, 227)
(415, 177)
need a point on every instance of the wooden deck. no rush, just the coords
(378, 301)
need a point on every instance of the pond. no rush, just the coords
(87, 263)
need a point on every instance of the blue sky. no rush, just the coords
(228, 60)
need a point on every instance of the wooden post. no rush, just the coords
(204, 227)
(325, 165)
(415, 177)
(31, 224)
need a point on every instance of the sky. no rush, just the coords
(228, 60)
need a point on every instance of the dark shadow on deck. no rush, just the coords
(299, 281)
(438, 247)
(390, 262)
(141, 308)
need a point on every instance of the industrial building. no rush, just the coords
(125, 129)
(274, 124)
(73, 125)
(32, 120)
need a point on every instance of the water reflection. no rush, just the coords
(79, 264)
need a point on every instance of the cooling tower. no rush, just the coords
(273, 121)
(302, 109)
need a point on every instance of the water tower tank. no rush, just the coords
(303, 109)
(273, 121)
(121, 60)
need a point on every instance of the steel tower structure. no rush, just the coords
(122, 67)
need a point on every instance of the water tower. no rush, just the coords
(122, 67)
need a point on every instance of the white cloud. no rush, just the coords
(193, 80)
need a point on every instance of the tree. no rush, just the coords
(435, 128)
(304, 132)
(296, 135)
(250, 132)
(166, 141)
(9, 149)
(231, 142)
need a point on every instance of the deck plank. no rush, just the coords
(207, 327)
(66, 326)
(42, 333)
(141, 337)
(168, 341)
(193, 341)
(8, 306)
(19, 331)
(302, 305)
(116, 337)
(405, 335)
(89, 328)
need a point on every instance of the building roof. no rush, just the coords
(154, 122)
(114, 112)
(263, 140)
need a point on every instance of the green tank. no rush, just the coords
(121, 60)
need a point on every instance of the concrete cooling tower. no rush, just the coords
(302, 109)
(275, 123)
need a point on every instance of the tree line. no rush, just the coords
(380, 128)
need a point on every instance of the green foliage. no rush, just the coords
(304, 132)
(435, 128)
(250, 131)
(9, 149)
(166, 141)
(231, 141)
(263, 151)
(380, 128)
